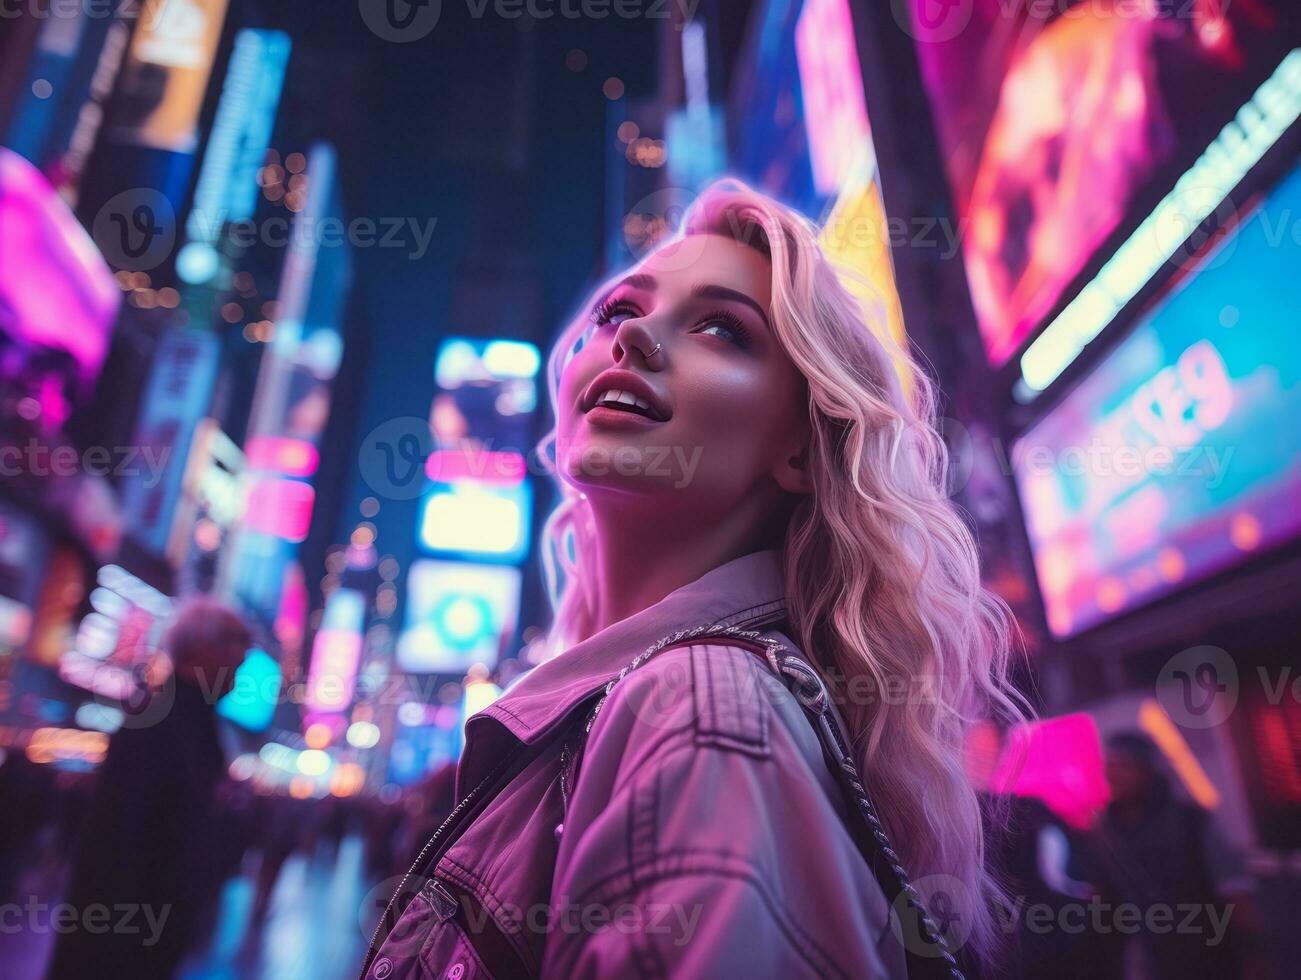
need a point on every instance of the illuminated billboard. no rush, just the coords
(772, 143)
(831, 82)
(1060, 124)
(1179, 456)
(336, 652)
(58, 299)
(477, 519)
(165, 75)
(457, 614)
(251, 701)
(119, 638)
(487, 394)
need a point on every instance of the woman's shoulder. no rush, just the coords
(701, 769)
(709, 694)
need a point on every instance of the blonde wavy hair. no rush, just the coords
(882, 575)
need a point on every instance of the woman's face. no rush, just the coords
(728, 408)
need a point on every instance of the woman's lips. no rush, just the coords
(615, 418)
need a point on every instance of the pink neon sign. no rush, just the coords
(831, 81)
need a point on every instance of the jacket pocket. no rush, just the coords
(428, 942)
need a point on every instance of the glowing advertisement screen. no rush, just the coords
(477, 519)
(57, 294)
(457, 614)
(487, 394)
(772, 142)
(1180, 455)
(831, 80)
(119, 638)
(336, 652)
(1061, 124)
(251, 701)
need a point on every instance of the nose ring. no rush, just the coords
(655, 350)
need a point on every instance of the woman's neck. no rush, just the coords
(640, 558)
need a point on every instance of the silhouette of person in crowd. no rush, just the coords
(147, 853)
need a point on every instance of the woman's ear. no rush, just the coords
(792, 474)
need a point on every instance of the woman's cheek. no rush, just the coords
(727, 431)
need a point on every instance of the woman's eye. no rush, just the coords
(733, 332)
(612, 314)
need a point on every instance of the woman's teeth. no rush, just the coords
(616, 396)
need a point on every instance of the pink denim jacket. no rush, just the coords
(702, 833)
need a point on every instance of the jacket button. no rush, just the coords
(383, 969)
(456, 971)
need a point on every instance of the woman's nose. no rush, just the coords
(633, 335)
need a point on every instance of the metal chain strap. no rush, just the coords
(816, 699)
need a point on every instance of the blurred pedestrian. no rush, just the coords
(1165, 858)
(147, 853)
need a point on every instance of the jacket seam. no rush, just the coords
(506, 711)
(735, 735)
(723, 741)
(732, 619)
(496, 908)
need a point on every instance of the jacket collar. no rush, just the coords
(745, 591)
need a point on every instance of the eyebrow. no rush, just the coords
(709, 291)
(638, 280)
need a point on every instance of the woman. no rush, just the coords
(738, 460)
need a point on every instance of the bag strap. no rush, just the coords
(870, 836)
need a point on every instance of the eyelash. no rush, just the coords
(605, 310)
(610, 308)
